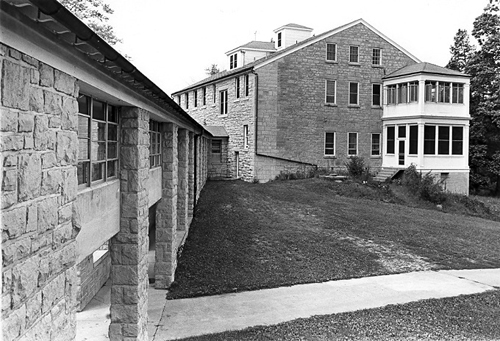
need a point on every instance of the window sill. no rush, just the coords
(375, 156)
(377, 66)
(354, 64)
(330, 104)
(83, 188)
(331, 61)
(222, 116)
(354, 106)
(329, 157)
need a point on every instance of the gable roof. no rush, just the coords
(217, 131)
(424, 68)
(291, 49)
(296, 26)
(255, 45)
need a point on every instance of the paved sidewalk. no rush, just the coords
(173, 319)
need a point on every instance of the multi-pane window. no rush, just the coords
(430, 91)
(376, 94)
(187, 99)
(204, 96)
(331, 52)
(352, 144)
(216, 146)
(413, 139)
(401, 131)
(154, 144)
(429, 139)
(457, 94)
(443, 140)
(329, 144)
(245, 136)
(376, 57)
(215, 93)
(237, 85)
(375, 144)
(195, 98)
(330, 92)
(391, 94)
(353, 93)
(247, 84)
(413, 92)
(391, 139)
(233, 61)
(223, 102)
(457, 140)
(279, 39)
(97, 140)
(353, 54)
(444, 92)
(402, 92)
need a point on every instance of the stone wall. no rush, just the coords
(39, 155)
(218, 164)
(268, 168)
(92, 276)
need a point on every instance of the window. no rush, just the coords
(444, 92)
(402, 92)
(186, 96)
(413, 93)
(204, 96)
(329, 144)
(413, 140)
(353, 93)
(376, 94)
(443, 140)
(233, 61)
(179, 99)
(376, 57)
(375, 144)
(214, 92)
(245, 136)
(457, 140)
(353, 54)
(195, 98)
(237, 84)
(430, 91)
(401, 132)
(331, 52)
(216, 146)
(247, 84)
(97, 140)
(223, 102)
(457, 93)
(154, 144)
(352, 144)
(391, 94)
(429, 139)
(330, 92)
(279, 39)
(391, 139)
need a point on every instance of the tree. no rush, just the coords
(461, 51)
(212, 70)
(95, 14)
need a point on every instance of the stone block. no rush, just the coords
(36, 100)
(52, 103)
(11, 142)
(10, 160)
(124, 275)
(65, 213)
(9, 180)
(40, 133)
(34, 76)
(30, 176)
(33, 309)
(41, 241)
(55, 121)
(31, 218)
(51, 181)
(121, 313)
(14, 222)
(16, 250)
(47, 214)
(69, 117)
(69, 185)
(63, 82)
(8, 199)
(53, 292)
(67, 147)
(15, 54)
(48, 160)
(30, 60)
(62, 234)
(29, 142)
(24, 280)
(26, 122)
(14, 324)
(46, 75)
(8, 120)
(15, 85)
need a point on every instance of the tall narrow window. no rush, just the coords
(233, 61)
(391, 133)
(330, 92)
(329, 144)
(443, 140)
(444, 92)
(154, 144)
(402, 92)
(429, 140)
(205, 95)
(215, 93)
(353, 93)
(391, 94)
(413, 140)
(245, 136)
(457, 141)
(223, 102)
(216, 146)
(186, 96)
(195, 98)
(331, 52)
(375, 144)
(279, 39)
(430, 91)
(413, 92)
(377, 57)
(237, 85)
(376, 95)
(352, 144)
(247, 84)
(353, 54)
(402, 132)
(457, 93)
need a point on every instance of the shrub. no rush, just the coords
(356, 166)
(424, 186)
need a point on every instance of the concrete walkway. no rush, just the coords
(173, 319)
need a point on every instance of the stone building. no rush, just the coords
(93, 153)
(313, 102)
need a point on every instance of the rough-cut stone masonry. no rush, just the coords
(39, 154)
(92, 277)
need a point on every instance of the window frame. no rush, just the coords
(212, 144)
(326, 144)
(223, 102)
(379, 57)
(455, 141)
(350, 94)
(195, 96)
(214, 89)
(457, 91)
(245, 136)
(237, 86)
(247, 85)
(186, 98)
(279, 40)
(204, 92)
(351, 47)
(390, 141)
(413, 139)
(327, 81)
(334, 52)
(373, 144)
(430, 140)
(413, 91)
(154, 144)
(379, 95)
(391, 91)
(349, 144)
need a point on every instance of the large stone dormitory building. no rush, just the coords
(94, 157)
(302, 101)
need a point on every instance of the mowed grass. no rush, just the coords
(250, 236)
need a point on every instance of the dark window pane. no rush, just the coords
(98, 110)
(353, 93)
(112, 114)
(402, 131)
(376, 94)
(429, 140)
(100, 131)
(390, 139)
(83, 107)
(83, 172)
(98, 151)
(413, 139)
(83, 126)
(98, 171)
(112, 150)
(112, 132)
(83, 149)
(457, 141)
(112, 168)
(443, 140)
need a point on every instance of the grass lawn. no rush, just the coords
(249, 236)
(472, 317)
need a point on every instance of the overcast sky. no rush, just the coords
(173, 42)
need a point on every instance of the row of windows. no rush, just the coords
(441, 92)
(331, 54)
(352, 144)
(353, 90)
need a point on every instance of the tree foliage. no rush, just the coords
(483, 66)
(461, 51)
(212, 70)
(95, 14)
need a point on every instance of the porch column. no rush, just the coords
(182, 191)
(166, 215)
(191, 178)
(129, 248)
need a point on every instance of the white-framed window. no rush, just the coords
(329, 143)
(376, 95)
(279, 39)
(429, 140)
(353, 93)
(457, 95)
(223, 102)
(391, 139)
(413, 148)
(178, 99)
(204, 93)
(352, 144)
(237, 86)
(97, 141)
(443, 139)
(413, 92)
(195, 95)
(154, 144)
(430, 91)
(444, 92)
(457, 140)
(233, 61)
(402, 92)
(247, 84)
(354, 54)
(186, 96)
(214, 90)
(331, 52)
(375, 144)
(245, 136)
(330, 92)
(376, 56)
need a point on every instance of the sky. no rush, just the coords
(173, 42)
